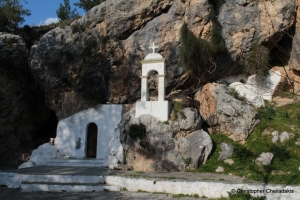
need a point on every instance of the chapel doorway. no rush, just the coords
(92, 133)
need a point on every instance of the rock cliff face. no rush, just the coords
(97, 58)
(23, 112)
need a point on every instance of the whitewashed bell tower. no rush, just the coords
(160, 108)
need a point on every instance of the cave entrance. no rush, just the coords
(92, 133)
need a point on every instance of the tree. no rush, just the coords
(64, 11)
(11, 15)
(88, 4)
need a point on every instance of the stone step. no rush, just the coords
(77, 162)
(63, 179)
(66, 187)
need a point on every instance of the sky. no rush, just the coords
(44, 11)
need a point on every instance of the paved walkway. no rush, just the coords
(16, 194)
(189, 176)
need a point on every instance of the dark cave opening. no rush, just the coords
(47, 130)
(281, 52)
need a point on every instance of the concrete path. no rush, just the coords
(129, 184)
(16, 194)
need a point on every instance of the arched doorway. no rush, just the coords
(92, 133)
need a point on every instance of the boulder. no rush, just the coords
(42, 155)
(164, 146)
(115, 153)
(229, 161)
(264, 159)
(224, 113)
(283, 136)
(290, 80)
(226, 152)
(256, 89)
(275, 136)
(220, 169)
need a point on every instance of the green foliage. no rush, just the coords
(257, 61)
(243, 196)
(76, 28)
(11, 15)
(197, 54)
(137, 131)
(280, 152)
(185, 195)
(177, 109)
(88, 4)
(267, 112)
(64, 12)
(232, 92)
(187, 161)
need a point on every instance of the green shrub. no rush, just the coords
(257, 61)
(177, 109)
(243, 196)
(280, 152)
(243, 153)
(232, 92)
(267, 112)
(137, 131)
(187, 161)
(197, 54)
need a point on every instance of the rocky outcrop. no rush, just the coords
(290, 80)
(294, 61)
(246, 23)
(224, 113)
(23, 112)
(97, 58)
(151, 145)
(42, 155)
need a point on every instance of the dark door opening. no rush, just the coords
(92, 133)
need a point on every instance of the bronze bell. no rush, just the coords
(152, 86)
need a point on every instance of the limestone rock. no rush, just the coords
(190, 119)
(97, 58)
(229, 161)
(264, 159)
(198, 146)
(164, 146)
(115, 156)
(283, 136)
(226, 152)
(23, 112)
(290, 80)
(266, 132)
(275, 136)
(242, 28)
(220, 169)
(224, 113)
(256, 89)
(294, 61)
(42, 155)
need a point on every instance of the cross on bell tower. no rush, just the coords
(153, 47)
